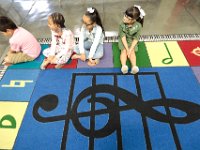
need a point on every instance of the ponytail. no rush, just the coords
(94, 16)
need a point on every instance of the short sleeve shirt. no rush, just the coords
(131, 33)
(23, 41)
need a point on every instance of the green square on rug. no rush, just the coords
(142, 56)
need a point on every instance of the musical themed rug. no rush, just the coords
(82, 107)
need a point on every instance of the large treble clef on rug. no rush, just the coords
(92, 95)
(50, 102)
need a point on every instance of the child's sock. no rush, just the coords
(124, 69)
(134, 70)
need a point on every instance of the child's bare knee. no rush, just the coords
(123, 51)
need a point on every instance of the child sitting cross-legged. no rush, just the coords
(62, 42)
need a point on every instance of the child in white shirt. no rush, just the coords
(91, 38)
(62, 42)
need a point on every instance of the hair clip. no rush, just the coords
(142, 12)
(90, 10)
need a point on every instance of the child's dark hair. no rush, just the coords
(94, 16)
(6, 23)
(58, 19)
(134, 13)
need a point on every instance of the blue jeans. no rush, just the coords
(87, 45)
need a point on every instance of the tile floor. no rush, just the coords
(162, 17)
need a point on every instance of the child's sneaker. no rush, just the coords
(134, 70)
(124, 69)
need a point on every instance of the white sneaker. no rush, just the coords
(124, 69)
(134, 70)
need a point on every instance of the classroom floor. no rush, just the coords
(100, 108)
(162, 17)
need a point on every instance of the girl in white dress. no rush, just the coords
(91, 38)
(62, 42)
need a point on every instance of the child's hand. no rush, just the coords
(129, 53)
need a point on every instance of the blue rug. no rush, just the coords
(126, 111)
(18, 85)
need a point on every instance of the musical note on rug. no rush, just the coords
(17, 83)
(196, 51)
(167, 60)
(50, 102)
(8, 121)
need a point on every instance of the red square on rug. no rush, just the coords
(72, 63)
(191, 50)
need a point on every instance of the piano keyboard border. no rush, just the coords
(2, 71)
(145, 38)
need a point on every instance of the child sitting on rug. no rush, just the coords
(129, 32)
(91, 38)
(62, 42)
(23, 45)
